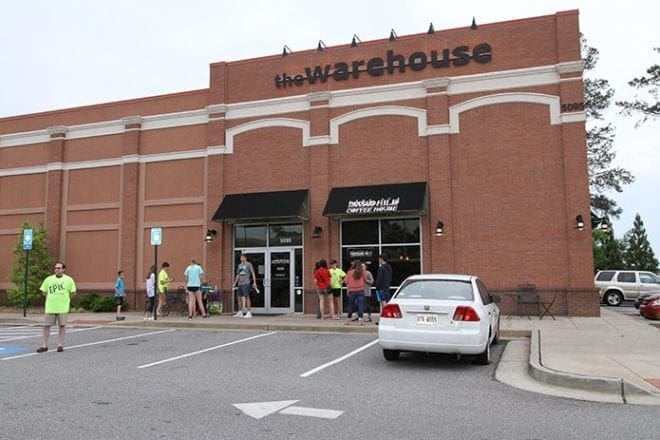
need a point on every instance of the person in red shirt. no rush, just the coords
(322, 279)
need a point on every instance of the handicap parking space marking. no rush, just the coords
(5, 351)
(337, 360)
(123, 338)
(37, 332)
(194, 353)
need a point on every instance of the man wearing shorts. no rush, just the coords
(119, 294)
(336, 277)
(58, 288)
(244, 274)
(383, 281)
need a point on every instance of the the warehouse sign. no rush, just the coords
(390, 64)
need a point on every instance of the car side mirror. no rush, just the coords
(496, 298)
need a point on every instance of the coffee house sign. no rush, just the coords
(391, 63)
(371, 206)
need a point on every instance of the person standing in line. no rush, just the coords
(164, 281)
(119, 294)
(369, 281)
(322, 279)
(336, 277)
(244, 274)
(383, 281)
(151, 293)
(58, 289)
(355, 281)
(194, 274)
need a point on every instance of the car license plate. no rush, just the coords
(427, 319)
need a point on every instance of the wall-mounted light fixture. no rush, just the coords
(210, 233)
(474, 26)
(393, 35)
(579, 222)
(321, 46)
(431, 30)
(286, 50)
(604, 224)
(316, 232)
(354, 41)
(439, 228)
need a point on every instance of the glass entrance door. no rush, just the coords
(274, 270)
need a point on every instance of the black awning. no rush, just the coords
(261, 206)
(377, 200)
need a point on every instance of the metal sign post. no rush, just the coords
(27, 247)
(156, 239)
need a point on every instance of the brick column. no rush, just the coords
(218, 250)
(129, 206)
(54, 190)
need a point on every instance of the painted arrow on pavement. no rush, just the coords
(258, 410)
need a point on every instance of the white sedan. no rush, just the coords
(440, 313)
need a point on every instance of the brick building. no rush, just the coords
(342, 153)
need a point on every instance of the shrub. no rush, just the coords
(84, 302)
(105, 304)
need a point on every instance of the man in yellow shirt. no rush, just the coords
(58, 288)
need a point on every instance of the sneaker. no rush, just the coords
(238, 315)
(120, 318)
(369, 319)
(248, 315)
(60, 349)
(150, 318)
(42, 349)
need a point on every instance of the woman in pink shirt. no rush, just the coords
(355, 281)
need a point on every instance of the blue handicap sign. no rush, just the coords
(27, 239)
(5, 351)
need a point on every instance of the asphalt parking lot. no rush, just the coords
(113, 383)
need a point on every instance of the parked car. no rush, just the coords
(650, 307)
(442, 313)
(617, 285)
(642, 296)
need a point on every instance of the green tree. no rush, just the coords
(608, 251)
(603, 176)
(639, 254)
(40, 266)
(647, 108)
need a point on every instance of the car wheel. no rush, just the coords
(613, 298)
(496, 339)
(391, 355)
(484, 358)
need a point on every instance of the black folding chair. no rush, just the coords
(525, 297)
(545, 307)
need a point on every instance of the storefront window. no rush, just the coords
(250, 236)
(400, 230)
(364, 240)
(285, 235)
(359, 232)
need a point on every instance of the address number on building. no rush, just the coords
(572, 107)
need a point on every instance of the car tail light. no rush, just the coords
(465, 313)
(391, 311)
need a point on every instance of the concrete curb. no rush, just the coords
(608, 385)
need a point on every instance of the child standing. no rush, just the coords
(151, 294)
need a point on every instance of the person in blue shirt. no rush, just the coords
(194, 274)
(119, 294)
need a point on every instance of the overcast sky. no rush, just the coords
(59, 54)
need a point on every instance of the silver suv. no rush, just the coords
(616, 285)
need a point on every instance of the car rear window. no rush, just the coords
(605, 275)
(437, 289)
(626, 277)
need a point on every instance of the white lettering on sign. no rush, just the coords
(372, 206)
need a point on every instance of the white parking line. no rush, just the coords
(91, 343)
(38, 332)
(336, 361)
(205, 350)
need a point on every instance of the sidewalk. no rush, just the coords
(614, 358)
